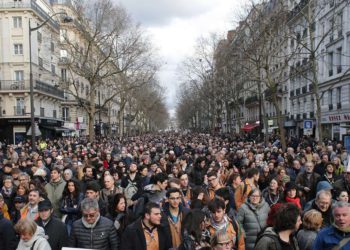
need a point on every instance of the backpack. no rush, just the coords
(130, 190)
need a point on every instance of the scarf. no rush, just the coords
(6, 191)
(221, 225)
(87, 225)
(295, 200)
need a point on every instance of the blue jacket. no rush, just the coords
(329, 237)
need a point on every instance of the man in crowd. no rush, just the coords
(307, 181)
(93, 192)
(213, 183)
(131, 183)
(109, 189)
(55, 229)
(8, 240)
(337, 235)
(31, 209)
(323, 204)
(147, 231)
(54, 189)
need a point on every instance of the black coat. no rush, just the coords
(56, 231)
(134, 239)
(8, 240)
(103, 236)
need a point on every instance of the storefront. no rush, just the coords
(335, 126)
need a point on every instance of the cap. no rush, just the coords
(19, 199)
(44, 205)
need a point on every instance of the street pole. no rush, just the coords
(32, 117)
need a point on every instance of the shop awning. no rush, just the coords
(249, 127)
(59, 129)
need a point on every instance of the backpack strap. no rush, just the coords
(32, 247)
(342, 243)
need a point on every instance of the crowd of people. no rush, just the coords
(174, 191)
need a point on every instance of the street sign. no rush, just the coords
(308, 127)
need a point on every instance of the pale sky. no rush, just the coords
(175, 25)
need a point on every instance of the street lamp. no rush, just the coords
(32, 117)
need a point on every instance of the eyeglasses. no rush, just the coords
(89, 215)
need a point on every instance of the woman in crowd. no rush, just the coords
(282, 176)
(312, 223)
(70, 203)
(343, 196)
(264, 177)
(290, 194)
(252, 215)
(272, 194)
(32, 236)
(22, 190)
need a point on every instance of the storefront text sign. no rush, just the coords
(336, 118)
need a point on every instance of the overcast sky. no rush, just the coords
(174, 26)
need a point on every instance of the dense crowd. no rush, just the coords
(174, 191)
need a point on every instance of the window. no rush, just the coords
(330, 96)
(18, 48)
(17, 22)
(330, 63)
(19, 108)
(339, 24)
(339, 60)
(52, 47)
(64, 74)
(53, 69)
(41, 62)
(19, 75)
(40, 37)
(338, 94)
(54, 113)
(65, 113)
(42, 112)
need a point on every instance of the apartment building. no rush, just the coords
(17, 17)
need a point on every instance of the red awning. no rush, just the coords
(249, 127)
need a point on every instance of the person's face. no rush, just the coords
(218, 215)
(271, 166)
(343, 196)
(292, 193)
(330, 168)
(163, 185)
(342, 217)
(21, 190)
(90, 215)
(213, 181)
(273, 185)
(223, 246)
(26, 236)
(39, 164)
(174, 200)
(91, 194)
(45, 214)
(154, 216)
(255, 198)
(19, 205)
(299, 222)
(133, 168)
(323, 203)
(184, 181)
(71, 187)
(33, 198)
(55, 176)
(175, 170)
(144, 172)
(108, 182)
(89, 172)
(325, 158)
(121, 205)
(7, 183)
(237, 181)
(256, 177)
(296, 165)
(309, 167)
(347, 177)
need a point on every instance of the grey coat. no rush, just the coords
(253, 220)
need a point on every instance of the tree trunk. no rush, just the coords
(91, 113)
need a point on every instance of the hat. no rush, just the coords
(19, 199)
(289, 186)
(44, 205)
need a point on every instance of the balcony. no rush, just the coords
(27, 4)
(252, 100)
(49, 89)
(19, 110)
(14, 85)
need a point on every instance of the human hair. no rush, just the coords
(160, 177)
(86, 167)
(76, 192)
(212, 173)
(216, 204)
(114, 203)
(181, 173)
(25, 188)
(23, 174)
(57, 169)
(340, 204)
(148, 208)
(223, 193)
(323, 192)
(254, 190)
(251, 172)
(7, 177)
(89, 203)
(175, 181)
(286, 217)
(232, 178)
(312, 220)
(172, 190)
(191, 224)
(26, 225)
(280, 169)
(35, 191)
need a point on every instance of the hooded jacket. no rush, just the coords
(54, 193)
(38, 241)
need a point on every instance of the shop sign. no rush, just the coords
(337, 118)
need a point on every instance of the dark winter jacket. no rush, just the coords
(71, 207)
(102, 236)
(303, 181)
(253, 220)
(56, 232)
(134, 238)
(7, 234)
(330, 237)
(269, 240)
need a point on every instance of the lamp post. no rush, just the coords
(32, 116)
